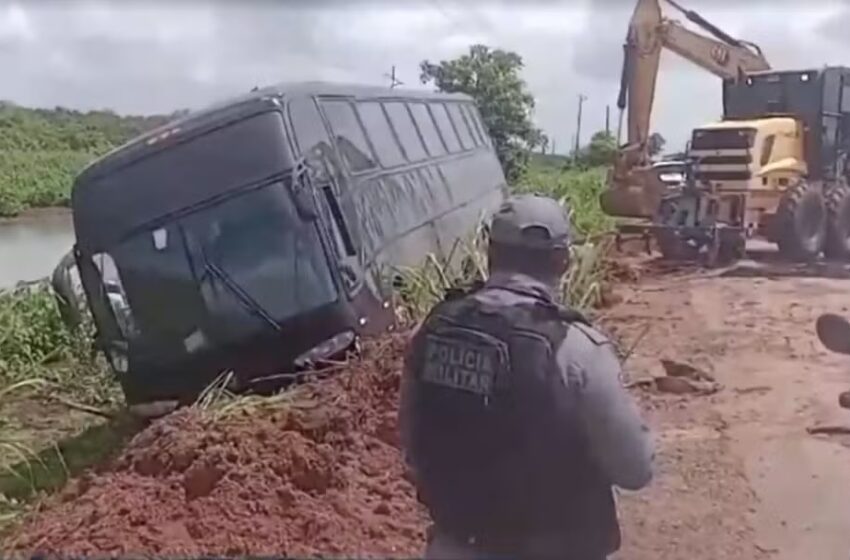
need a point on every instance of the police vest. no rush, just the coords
(497, 458)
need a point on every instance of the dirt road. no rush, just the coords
(740, 477)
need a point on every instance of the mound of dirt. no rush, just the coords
(318, 475)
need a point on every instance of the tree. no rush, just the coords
(656, 143)
(601, 150)
(492, 78)
(544, 144)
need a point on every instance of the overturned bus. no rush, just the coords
(257, 236)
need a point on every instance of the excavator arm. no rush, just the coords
(633, 190)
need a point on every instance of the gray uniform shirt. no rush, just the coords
(619, 440)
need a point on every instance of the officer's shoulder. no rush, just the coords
(587, 333)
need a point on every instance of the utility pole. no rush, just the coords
(607, 120)
(393, 81)
(581, 99)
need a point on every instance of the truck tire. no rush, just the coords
(801, 222)
(838, 223)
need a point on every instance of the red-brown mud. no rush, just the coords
(321, 474)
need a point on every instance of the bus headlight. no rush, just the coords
(326, 349)
(119, 361)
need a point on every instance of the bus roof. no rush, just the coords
(235, 106)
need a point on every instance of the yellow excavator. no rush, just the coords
(773, 166)
(636, 190)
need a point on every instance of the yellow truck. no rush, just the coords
(772, 167)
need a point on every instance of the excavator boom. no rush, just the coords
(632, 189)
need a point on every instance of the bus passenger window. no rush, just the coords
(469, 117)
(460, 125)
(349, 136)
(402, 123)
(444, 125)
(380, 134)
(479, 123)
(428, 129)
(307, 124)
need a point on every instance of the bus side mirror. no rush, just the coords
(302, 192)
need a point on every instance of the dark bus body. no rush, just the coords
(261, 234)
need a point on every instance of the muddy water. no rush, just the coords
(32, 244)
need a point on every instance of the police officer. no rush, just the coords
(513, 418)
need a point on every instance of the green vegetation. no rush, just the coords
(35, 344)
(579, 188)
(42, 150)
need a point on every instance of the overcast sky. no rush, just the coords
(148, 57)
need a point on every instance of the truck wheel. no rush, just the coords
(801, 222)
(838, 223)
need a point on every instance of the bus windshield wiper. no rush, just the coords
(241, 295)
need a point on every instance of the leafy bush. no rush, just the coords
(41, 151)
(31, 330)
(579, 188)
(36, 344)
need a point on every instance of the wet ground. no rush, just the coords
(739, 476)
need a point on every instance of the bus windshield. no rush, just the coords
(227, 270)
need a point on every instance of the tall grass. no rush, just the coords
(36, 344)
(422, 287)
(31, 331)
(581, 288)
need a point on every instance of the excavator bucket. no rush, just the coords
(632, 193)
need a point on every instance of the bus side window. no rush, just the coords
(380, 134)
(428, 129)
(402, 123)
(479, 122)
(348, 134)
(460, 125)
(469, 116)
(444, 125)
(307, 124)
